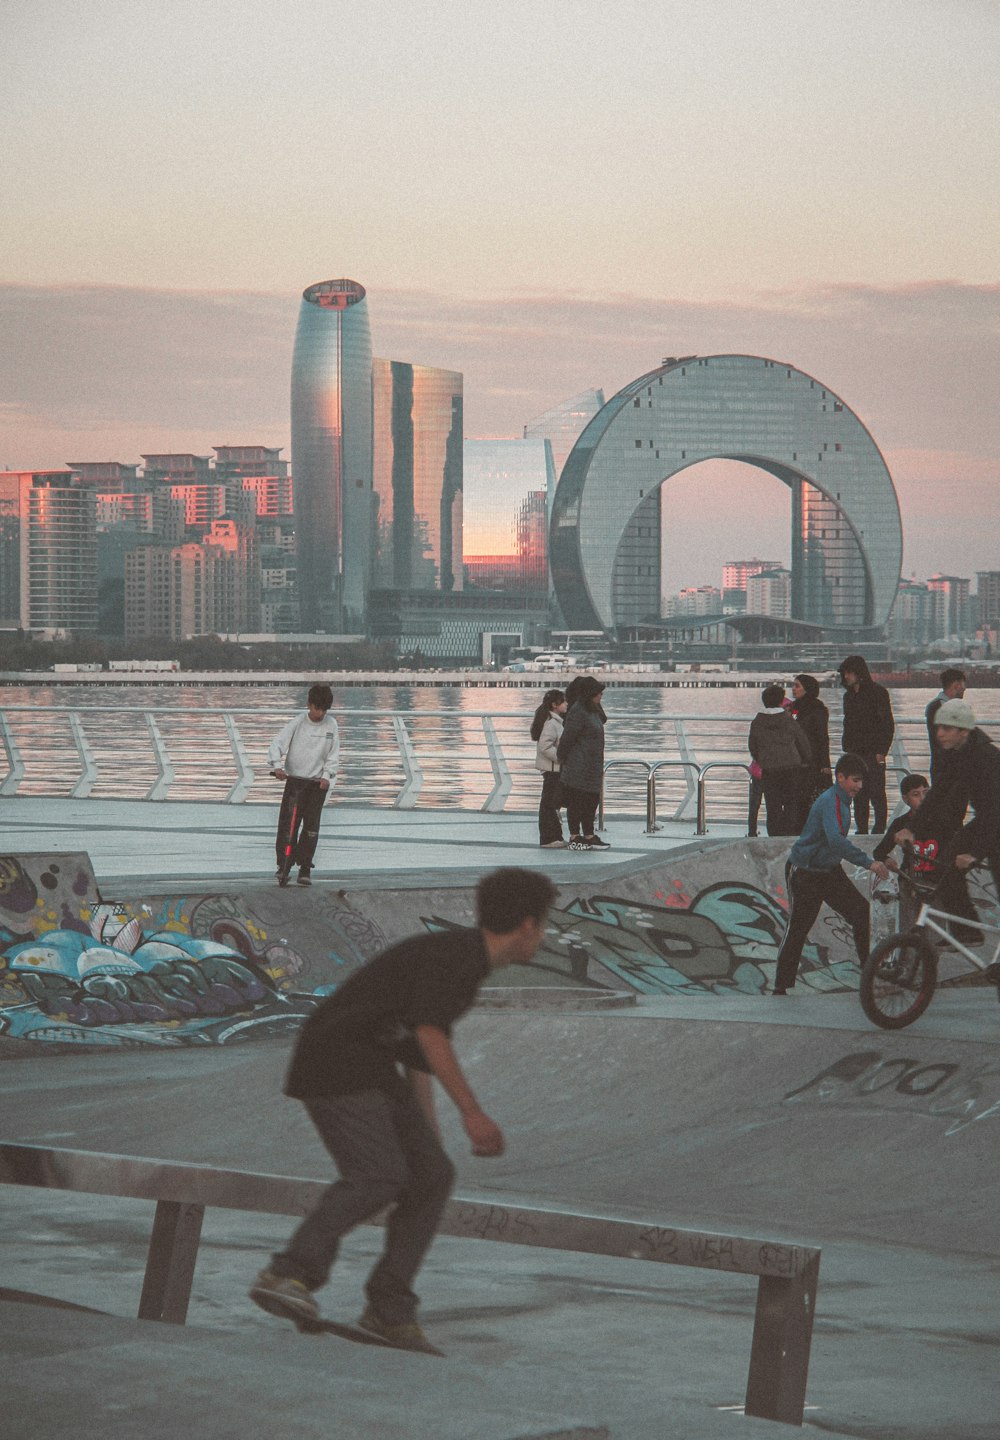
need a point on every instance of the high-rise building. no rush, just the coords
(417, 474)
(10, 550)
(503, 480)
(953, 605)
(988, 597)
(331, 410)
(563, 424)
(912, 621)
(694, 600)
(181, 469)
(736, 573)
(58, 552)
(770, 593)
(196, 588)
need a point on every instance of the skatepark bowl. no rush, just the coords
(658, 1105)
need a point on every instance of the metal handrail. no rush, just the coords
(395, 757)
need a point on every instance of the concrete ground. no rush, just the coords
(781, 1119)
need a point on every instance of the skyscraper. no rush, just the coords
(417, 476)
(331, 404)
(58, 552)
(563, 423)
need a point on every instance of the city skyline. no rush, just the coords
(550, 214)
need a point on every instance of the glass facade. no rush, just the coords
(58, 553)
(562, 424)
(506, 484)
(417, 476)
(734, 407)
(332, 456)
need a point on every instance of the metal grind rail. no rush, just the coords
(787, 1274)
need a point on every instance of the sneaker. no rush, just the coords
(553, 845)
(284, 870)
(577, 844)
(282, 1295)
(303, 878)
(594, 842)
(405, 1336)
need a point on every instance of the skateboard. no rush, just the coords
(355, 1333)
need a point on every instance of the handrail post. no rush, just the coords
(245, 777)
(88, 770)
(160, 787)
(14, 762)
(701, 825)
(651, 825)
(502, 782)
(413, 776)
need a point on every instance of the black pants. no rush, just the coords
(953, 895)
(872, 794)
(549, 824)
(781, 796)
(581, 808)
(808, 892)
(754, 796)
(298, 822)
(386, 1154)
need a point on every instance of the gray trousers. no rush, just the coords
(386, 1153)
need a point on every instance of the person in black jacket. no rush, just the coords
(952, 688)
(972, 778)
(581, 756)
(781, 749)
(868, 731)
(814, 718)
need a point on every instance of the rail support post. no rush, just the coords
(779, 1353)
(173, 1250)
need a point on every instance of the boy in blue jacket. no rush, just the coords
(814, 876)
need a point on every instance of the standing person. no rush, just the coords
(868, 731)
(781, 749)
(814, 718)
(972, 777)
(952, 688)
(546, 731)
(377, 1120)
(921, 864)
(305, 755)
(813, 874)
(581, 755)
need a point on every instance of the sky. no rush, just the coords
(545, 198)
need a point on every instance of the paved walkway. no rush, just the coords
(179, 843)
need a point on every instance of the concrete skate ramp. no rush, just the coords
(776, 1130)
(141, 971)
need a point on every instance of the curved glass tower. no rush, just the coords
(332, 456)
(847, 541)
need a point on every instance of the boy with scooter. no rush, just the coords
(305, 755)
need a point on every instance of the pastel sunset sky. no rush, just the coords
(547, 198)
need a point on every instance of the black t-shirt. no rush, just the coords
(358, 1037)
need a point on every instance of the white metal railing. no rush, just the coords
(399, 758)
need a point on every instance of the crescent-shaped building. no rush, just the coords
(847, 540)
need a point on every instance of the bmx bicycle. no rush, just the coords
(899, 977)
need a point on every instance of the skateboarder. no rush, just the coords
(305, 755)
(377, 1121)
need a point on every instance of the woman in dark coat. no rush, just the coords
(814, 718)
(781, 750)
(868, 731)
(581, 756)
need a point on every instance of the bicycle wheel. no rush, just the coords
(898, 980)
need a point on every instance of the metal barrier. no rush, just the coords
(788, 1275)
(397, 758)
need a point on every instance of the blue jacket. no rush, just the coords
(823, 842)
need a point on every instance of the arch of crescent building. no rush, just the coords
(734, 407)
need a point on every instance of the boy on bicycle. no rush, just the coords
(972, 778)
